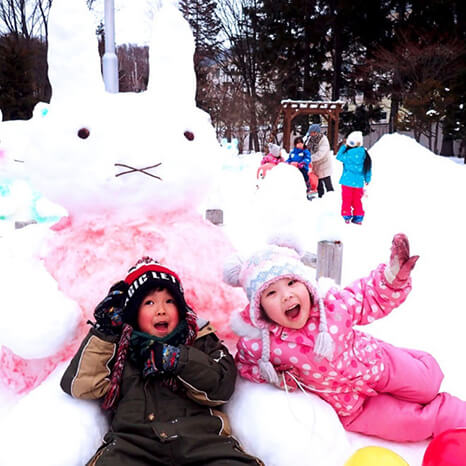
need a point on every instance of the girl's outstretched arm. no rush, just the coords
(375, 296)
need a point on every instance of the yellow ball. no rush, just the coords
(375, 456)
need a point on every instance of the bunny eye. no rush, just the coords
(84, 133)
(189, 135)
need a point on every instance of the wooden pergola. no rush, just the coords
(290, 109)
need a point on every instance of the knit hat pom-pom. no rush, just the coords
(286, 240)
(232, 270)
(309, 258)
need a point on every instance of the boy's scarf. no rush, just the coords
(136, 342)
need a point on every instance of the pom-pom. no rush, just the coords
(241, 327)
(286, 240)
(324, 346)
(231, 270)
(268, 372)
(309, 259)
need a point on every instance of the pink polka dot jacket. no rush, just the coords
(357, 364)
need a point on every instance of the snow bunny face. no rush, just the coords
(125, 153)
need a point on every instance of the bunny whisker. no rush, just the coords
(141, 170)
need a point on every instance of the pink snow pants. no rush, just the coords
(409, 406)
(351, 201)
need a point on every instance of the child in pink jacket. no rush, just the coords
(273, 156)
(294, 335)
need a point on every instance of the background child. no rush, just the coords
(273, 156)
(321, 158)
(294, 335)
(356, 174)
(300, 157)
(168, 371)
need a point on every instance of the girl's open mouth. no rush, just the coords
(293, 312)
(161, 326)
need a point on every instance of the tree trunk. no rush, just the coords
(394, 107)
(337, 51)
(437, 127)
(447, 146)
(307, 56)
(337, 63)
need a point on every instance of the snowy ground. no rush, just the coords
(400, 198)
(412, 191)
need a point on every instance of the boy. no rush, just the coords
(168, 371)
(300, 157)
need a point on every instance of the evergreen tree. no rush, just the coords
(203, 19)
(454, 124)
(291, 50)
(359, 119)
(23, 79)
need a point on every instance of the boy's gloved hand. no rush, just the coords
(159, 358)
(399, 269)
(109, 312)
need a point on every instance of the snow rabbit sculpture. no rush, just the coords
(132, 170)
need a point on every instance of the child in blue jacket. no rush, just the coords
(356, 174)
(300, 157)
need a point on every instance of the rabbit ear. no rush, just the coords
(171, 57)
(73, 57)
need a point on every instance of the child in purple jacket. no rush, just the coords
(294, 334)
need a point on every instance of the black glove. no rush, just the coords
(109, 312)
(159, 358)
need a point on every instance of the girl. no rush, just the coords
(356, 174)
(168, 373)
(294, 335)
(300, 157)
(274, 155)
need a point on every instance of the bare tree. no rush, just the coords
(239, 27)
(419, 69)
(133, 65)
(27, 18)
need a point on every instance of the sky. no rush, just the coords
(133, 20)
(64, 272)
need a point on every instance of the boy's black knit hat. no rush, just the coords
(146, 275)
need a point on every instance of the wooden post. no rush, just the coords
(215, 216)
(287, 130)
(329, 259)
(336, 131)
(25, 223)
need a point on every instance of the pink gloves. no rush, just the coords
(399, 269)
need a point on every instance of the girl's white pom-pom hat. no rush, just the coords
(260, 270)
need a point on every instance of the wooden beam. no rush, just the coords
(292, 108)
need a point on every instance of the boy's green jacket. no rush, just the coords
(151, 423)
